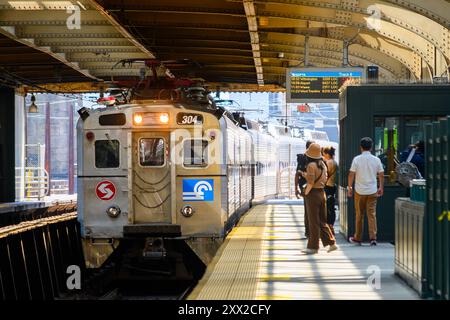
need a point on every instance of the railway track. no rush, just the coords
(130, 294)
(35, 255)
(169, 291)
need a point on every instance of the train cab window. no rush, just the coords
(151, 152)
(114, 119)
(195, 153)
(107, 153)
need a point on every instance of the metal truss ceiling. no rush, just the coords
(241, 41)
(37, 44)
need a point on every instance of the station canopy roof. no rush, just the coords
(234, 44)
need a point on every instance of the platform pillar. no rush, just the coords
(20, 118)
(7, 163)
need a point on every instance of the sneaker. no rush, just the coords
(354, 241)
(333, 247)
(310, 251)
(373, 243)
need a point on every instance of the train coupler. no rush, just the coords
(154, 249)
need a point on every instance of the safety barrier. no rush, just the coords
(437, 218)
(286, 186)
(410, 256)
(35, 256)
(35, 182)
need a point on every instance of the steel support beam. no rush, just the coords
(250, 13)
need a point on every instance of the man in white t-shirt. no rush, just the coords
(364, 171)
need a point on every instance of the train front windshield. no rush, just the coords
(151, 152)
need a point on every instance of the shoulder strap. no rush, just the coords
(411, 155)
(320, 176)
(332, 174)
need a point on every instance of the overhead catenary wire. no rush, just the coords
(16, 80)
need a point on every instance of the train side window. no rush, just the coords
(195, 153)
(151, 152)
(107, 153)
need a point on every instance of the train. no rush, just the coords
(162, 182)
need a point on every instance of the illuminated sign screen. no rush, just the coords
(319, 84)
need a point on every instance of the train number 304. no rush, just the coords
(189, 118)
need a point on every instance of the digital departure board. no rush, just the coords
(319, 84)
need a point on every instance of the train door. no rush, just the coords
(151, 177)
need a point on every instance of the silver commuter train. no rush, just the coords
(163, 181)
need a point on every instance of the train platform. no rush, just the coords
(45, 202)
(261, 259)
(16, 212)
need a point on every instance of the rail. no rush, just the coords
(286, 186)
(35, 182)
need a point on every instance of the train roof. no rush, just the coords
(213, 109)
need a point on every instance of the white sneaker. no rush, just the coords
(310, 251)
(332, 248)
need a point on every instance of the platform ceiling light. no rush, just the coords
(263, 21)
(33, 107)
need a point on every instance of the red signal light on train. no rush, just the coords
(90, 135)
(304, 108)
(107, 101)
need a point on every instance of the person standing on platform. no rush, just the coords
(364, 171)
(316, 178)
(300, 182)
(330, 186)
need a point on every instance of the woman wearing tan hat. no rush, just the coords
(316, 177)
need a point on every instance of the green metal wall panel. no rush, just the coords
(444, 205)
(437, 210)
(436, 247)
(361, 105)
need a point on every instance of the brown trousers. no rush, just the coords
(305, 221)
(366, 204)
(317, 219)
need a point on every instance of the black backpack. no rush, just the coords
(302, 162)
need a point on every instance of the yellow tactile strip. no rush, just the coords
(233, 272)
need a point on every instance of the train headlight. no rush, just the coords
(137, 119)
(113, 211)
(187, 211)
(164, 118)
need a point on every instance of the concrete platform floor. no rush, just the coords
(262, 259)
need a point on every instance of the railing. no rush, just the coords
(59, 186)
(286, 180)
(410, 254)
